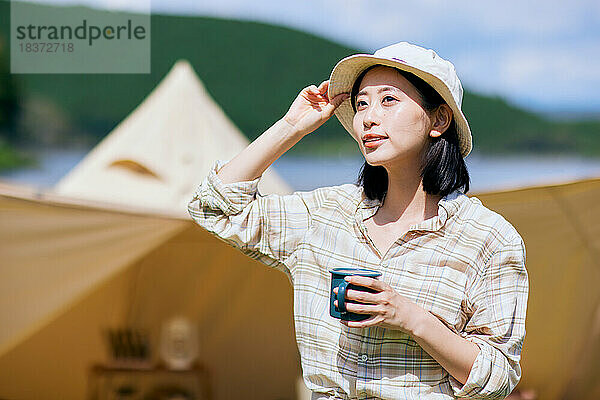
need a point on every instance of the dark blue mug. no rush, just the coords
(337, 281)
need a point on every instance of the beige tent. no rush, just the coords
(560, 225)
(68, 271)
(113, 245)
(154, 158)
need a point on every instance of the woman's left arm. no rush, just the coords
(484, 359)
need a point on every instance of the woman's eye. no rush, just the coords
(360, 103)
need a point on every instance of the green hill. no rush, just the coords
(254, 71)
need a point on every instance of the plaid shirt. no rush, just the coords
(466, 266)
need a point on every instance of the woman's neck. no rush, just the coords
(405, 199)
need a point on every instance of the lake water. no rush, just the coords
(305, 173)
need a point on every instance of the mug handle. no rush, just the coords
(341, 296)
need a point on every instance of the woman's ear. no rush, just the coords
(442, 117)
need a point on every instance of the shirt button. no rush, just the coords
(364, 357)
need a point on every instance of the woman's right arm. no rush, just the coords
(310, 109)
(269, 227)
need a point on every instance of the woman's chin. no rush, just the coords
(375, 159)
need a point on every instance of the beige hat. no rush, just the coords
(424, 63)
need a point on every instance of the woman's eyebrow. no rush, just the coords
(381, 90)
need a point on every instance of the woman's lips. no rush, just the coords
(374, 143)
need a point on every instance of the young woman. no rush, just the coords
(447, 318)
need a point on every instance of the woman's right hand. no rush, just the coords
(312, 108)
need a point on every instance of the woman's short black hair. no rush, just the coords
(443, 169)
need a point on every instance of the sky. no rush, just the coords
(540, 55)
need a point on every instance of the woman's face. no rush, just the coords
(388, 107)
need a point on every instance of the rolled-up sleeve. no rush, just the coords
(267, 228)
(498, 302)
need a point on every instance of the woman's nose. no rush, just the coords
(371, 116)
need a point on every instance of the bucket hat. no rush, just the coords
(424, 63)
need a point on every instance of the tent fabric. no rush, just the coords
(155, 156)
(118, 210)
(560, 225)
(52, 256)
(147, 270)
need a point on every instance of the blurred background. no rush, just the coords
(529, 72)
(105, 281)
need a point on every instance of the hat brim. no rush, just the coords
(346, 71)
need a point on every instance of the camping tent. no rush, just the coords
(560, 225)
(113, 245)
(154, 158)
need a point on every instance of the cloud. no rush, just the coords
(524, 17)
(545, 77)
(553, 75)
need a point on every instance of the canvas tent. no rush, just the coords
(560, 225)
(113, 245)
(154, 158)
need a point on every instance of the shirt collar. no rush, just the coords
(447, 207)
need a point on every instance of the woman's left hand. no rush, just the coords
(388, 309)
